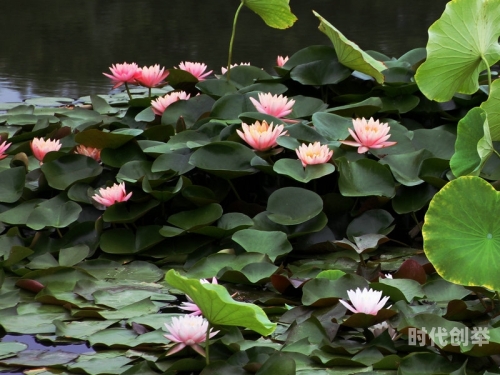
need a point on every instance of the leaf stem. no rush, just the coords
(232, 39)
(489, 73)
(234, 190)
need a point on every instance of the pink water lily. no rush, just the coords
(151, 76)
(365, 301)
(3, 147)
(274, 105)
(280, 60)
(261, 136)
(369, 134)
(190, 305)
(224, 69)
(41, 147)
(196, 69)
(161, 103)
(111, 195)
(123, 73)
(91, 152)
(314, 153)
(188, 330)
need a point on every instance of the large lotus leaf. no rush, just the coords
(68, 169)
(322, 72)
(57, 212)
(349, 54)
(81, 330)
(275, 13)
(219, 308)
(99, 139)
(128, 212)
(473, 146)
(9, 349)
(32, 323)
(428, 364)
(190, 110)
(292, 205)
(70, 256)
(269, 87)
(225, 159)
(492, 109)
(365, 177)
(272, 243)
(461, 224)
(399, 289)
(294, 169)
(123, 241)
(11, 184)
(372, 221)
(187, 139)
(114, 363)
(462, 43)
(198, 217)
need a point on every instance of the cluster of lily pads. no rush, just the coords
(323, 258)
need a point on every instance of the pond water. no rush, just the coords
(61, 47)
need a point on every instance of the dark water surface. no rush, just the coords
(61, 47)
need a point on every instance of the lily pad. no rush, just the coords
(460, 224)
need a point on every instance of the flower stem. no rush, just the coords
(149, 93)
(207, 345)
(128, 91)
(232, 39)
(234, 190)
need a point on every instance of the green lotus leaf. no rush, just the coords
(457, 52)
(126, 212)
(190, 110)
(413, 198)
(117, 157)
(365, 177)
(12, 184)
(57, 212)
(294, 169)
(272, 243)
(349, 54)
(460, 224)
(216, 87)
(306, 106)
(68, 169)
(246, 75)
(473, 146)
(406, 167)
(365, 108)
(332, 126)
(99, 139)
(37, 357)
(198, 217)
(9, 349)
(322, 72)
(135, 170)
(492, 109)
(440, 141)
(225, 159)
(275, 13)
(101, 106)
(291, 205)
(70, 256)
(219, 308)
(177, 161)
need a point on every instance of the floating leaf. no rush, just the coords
(294, 169)
(271, 243)
(291, 205)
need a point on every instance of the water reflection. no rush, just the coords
(61, 47)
